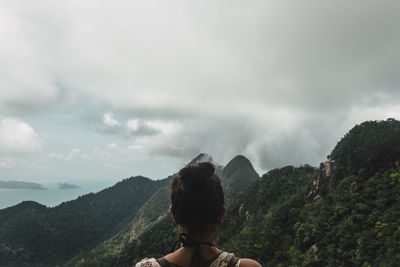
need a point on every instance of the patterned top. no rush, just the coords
(222, 261)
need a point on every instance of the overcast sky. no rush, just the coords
(103, 90)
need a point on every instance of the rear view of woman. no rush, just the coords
(197, 207)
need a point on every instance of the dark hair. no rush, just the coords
(197, 197)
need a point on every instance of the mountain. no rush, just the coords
(66, 186)
(202, 157)
(107, 253)
(366, 149)
(345, 213)
(369, 147)
(260, 220)
(32, 234)
(236, 176)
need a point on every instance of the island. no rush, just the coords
(21, 185)
(67, 186)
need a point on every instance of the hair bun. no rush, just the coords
(197, 197)
(209, 169)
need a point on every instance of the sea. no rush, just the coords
(50, 197)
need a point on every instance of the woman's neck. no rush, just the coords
(207, 236)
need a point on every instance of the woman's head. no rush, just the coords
(197, 197)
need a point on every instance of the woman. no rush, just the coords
(197, 206)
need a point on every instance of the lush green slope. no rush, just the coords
(108, 252)
(259, 222)
(368, 148)
(355, 223)
(33, 234)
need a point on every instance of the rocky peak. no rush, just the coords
(237, 175)
(202, 157)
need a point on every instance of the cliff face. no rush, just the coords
(326, 181)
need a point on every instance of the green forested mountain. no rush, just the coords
(258, 221)
(150, 213)
(367, 148)
(34, 234)
(345, 213)
(236, 176)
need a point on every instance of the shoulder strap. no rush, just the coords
(233, 261)
(163, 262)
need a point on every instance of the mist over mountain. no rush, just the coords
(344, 213)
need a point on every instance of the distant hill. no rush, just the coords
(67, 186)
(21, 185)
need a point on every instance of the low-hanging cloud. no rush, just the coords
(131, 128)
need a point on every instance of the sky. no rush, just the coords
(104, 90)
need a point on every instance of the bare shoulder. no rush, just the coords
(249, 263)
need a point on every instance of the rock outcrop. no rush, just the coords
(326, 181)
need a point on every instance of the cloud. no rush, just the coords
(278, 81)
(72, 154)
(17, 137)
(69, 156)
(109, 121)
(27, 80)
(112, 145)
(132, 127)
(6, 163)
(185, 63)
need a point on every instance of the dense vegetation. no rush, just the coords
(34, 234)
(368, 148)
(258, 223)
(272, 219)
(358, 224)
